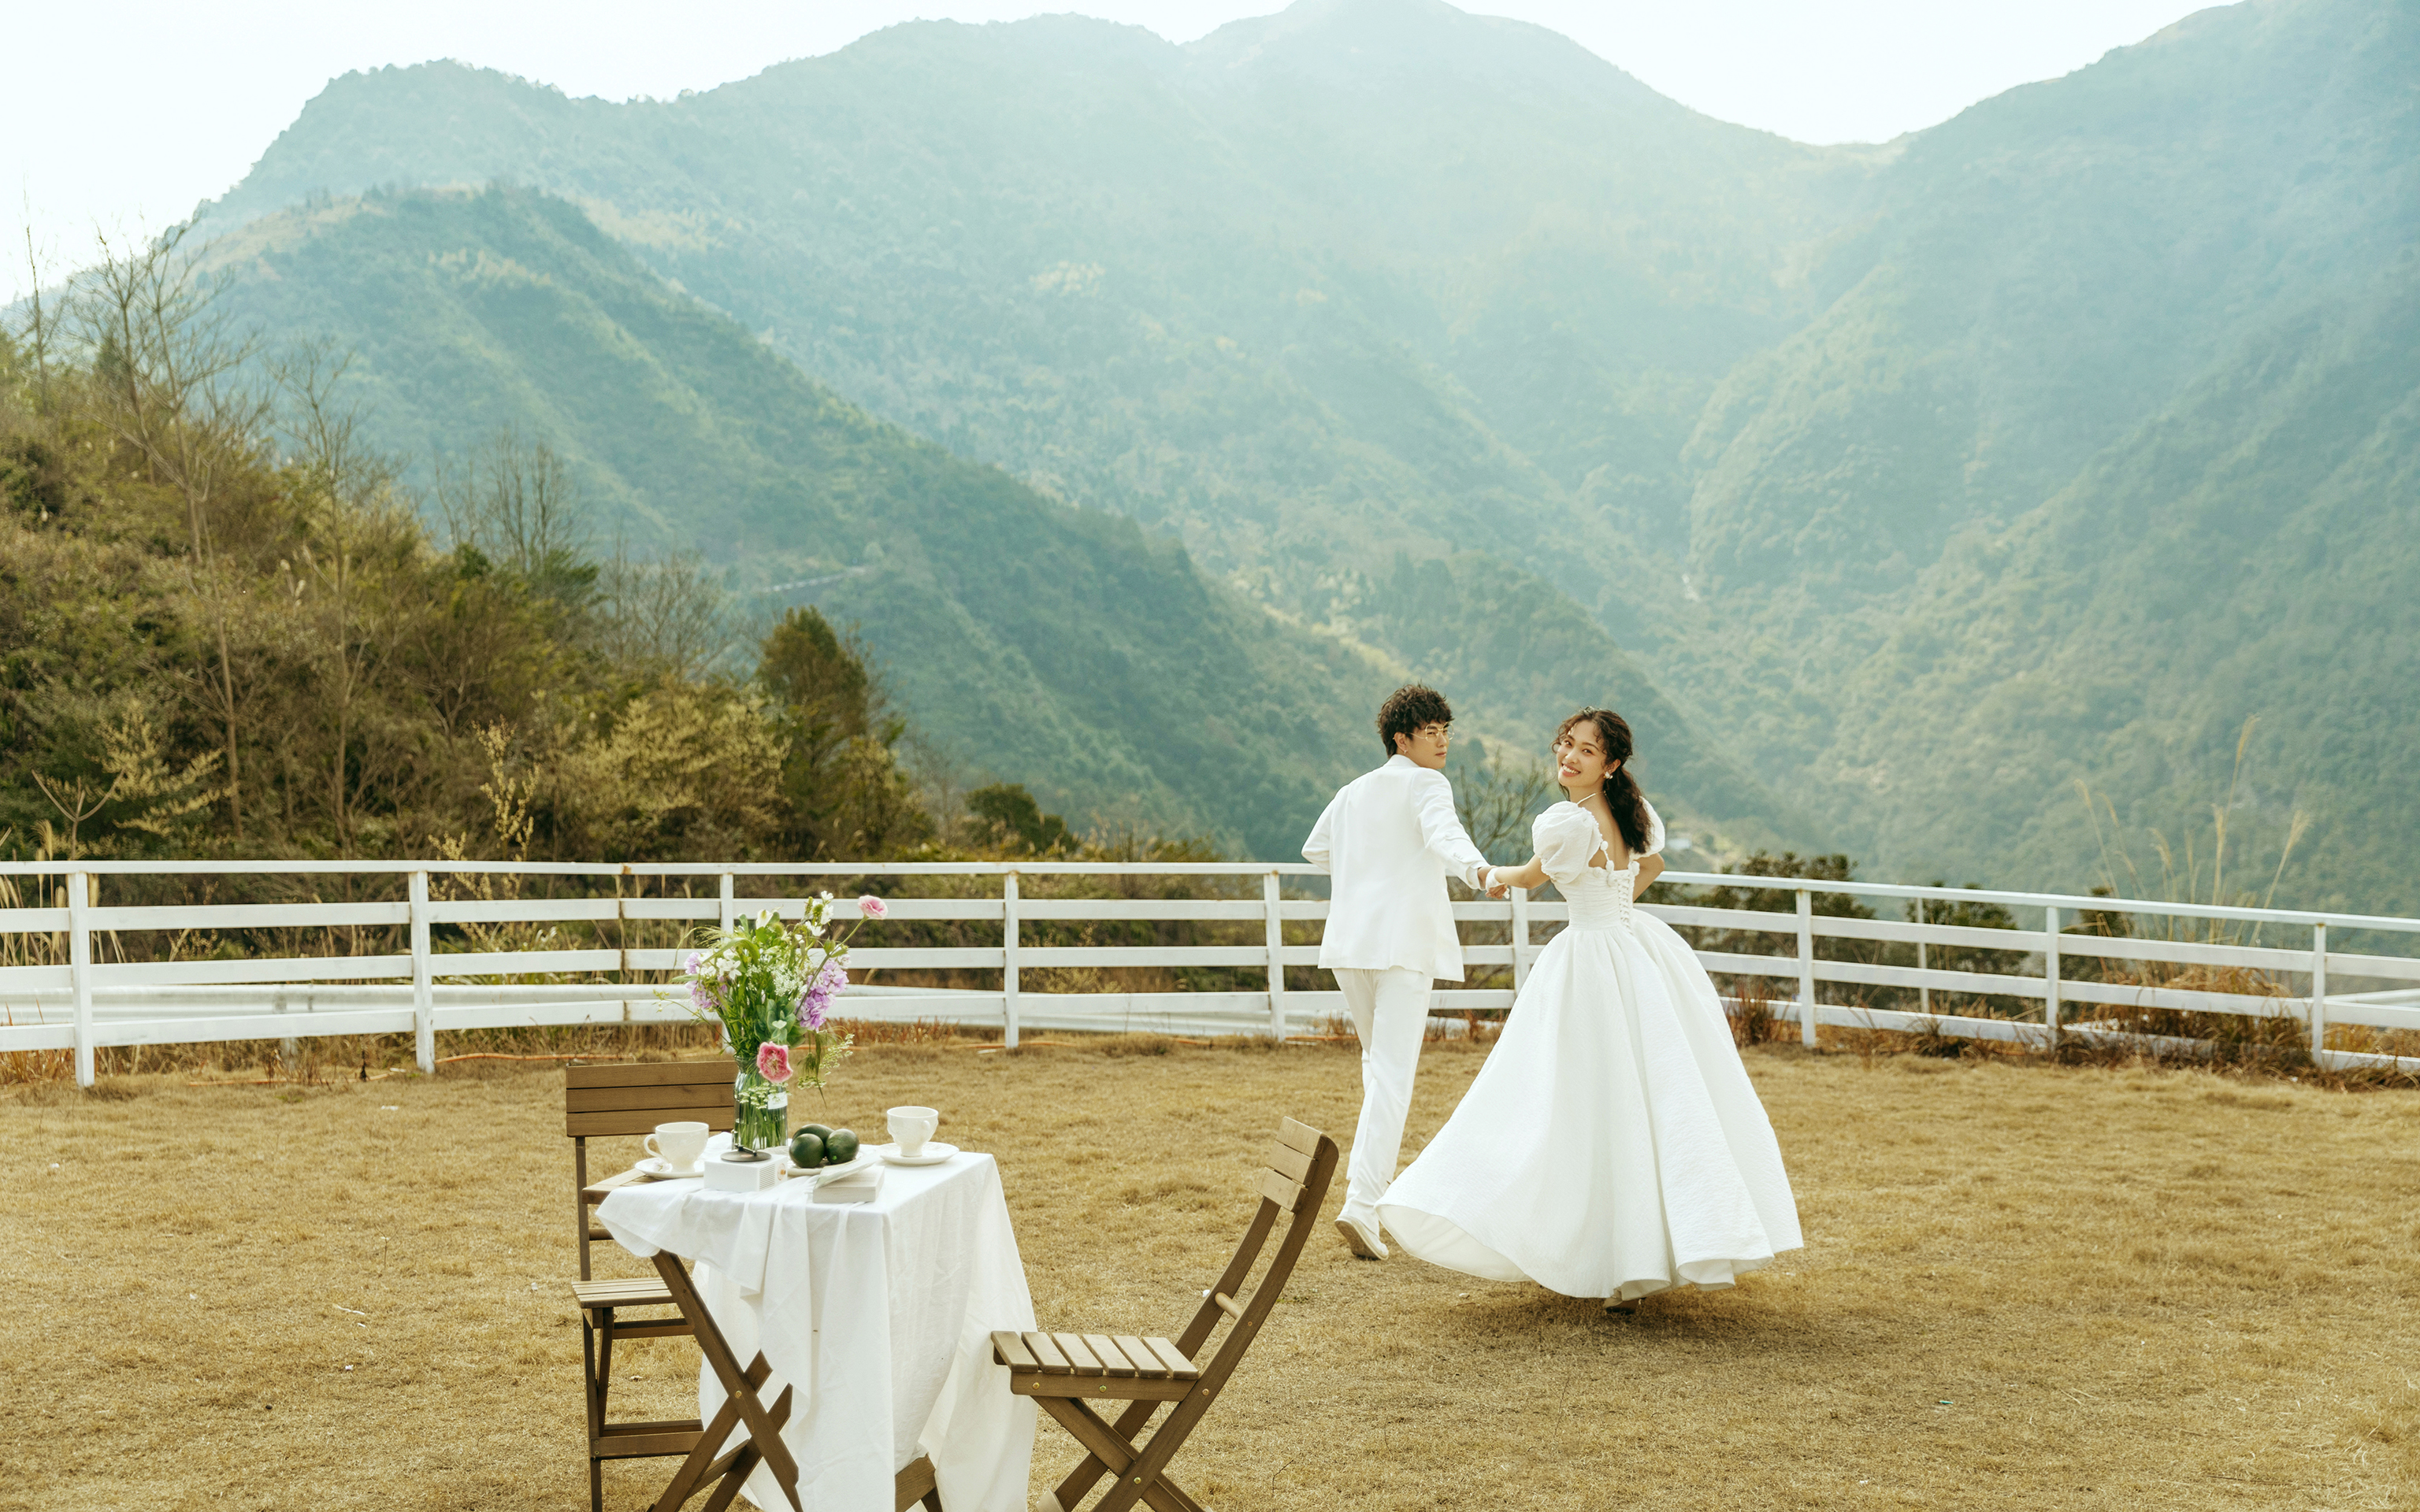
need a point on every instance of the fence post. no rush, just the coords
(80, 974)
(2319, 994)
(1923, 991)
(1805, 967)
(424, 995)
(1273, 903)
(1008, 960)
(723, 914)
(2050, 972)
(1520, 937)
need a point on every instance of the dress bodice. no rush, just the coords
(1600, 895)
(1568, 842)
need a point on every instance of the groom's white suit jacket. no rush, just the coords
(1390, 838)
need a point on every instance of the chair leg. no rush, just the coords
(1087, 1428)
(1087, 1473)
(593, 1388)
(604, 1366)
(917, 1485)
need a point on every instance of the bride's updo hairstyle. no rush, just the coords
(1622, 795)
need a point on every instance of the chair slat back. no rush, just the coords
(633, 1098)
(1298, 1148)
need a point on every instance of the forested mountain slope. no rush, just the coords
(2104, 446)
(1891, 465)
(1057, 646)
(1034, 640)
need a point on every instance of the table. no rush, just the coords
(879, 1313)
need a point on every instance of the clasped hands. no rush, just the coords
(1488, 884)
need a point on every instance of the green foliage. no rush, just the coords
(847, 794)
(325, 682)
(1017, 822)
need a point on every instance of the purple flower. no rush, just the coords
(873, 907)
(773, 1064)
(816, 1002)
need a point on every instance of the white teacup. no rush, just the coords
(678, 1145)
(911, 1127)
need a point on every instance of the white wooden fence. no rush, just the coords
(85, 993)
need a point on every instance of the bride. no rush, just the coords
(1611, 1146)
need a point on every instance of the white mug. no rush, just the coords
(677, 1144)
(911, 1127)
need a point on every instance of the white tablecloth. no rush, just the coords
(880, 1313)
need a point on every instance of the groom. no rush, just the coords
(1390, 839)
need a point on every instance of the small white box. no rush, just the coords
(742, 1175)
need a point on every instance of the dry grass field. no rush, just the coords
(2025, 1286)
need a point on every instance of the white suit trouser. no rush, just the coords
(1390, 1013)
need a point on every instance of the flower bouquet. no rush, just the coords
(771, 983)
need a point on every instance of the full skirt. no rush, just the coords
(1612, 1145)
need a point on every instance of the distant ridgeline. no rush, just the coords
(1934, 481)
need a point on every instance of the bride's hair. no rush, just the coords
(1622, 795)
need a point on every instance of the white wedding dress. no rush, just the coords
(1611, 1146)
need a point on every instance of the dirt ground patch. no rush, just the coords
(2024, 1286)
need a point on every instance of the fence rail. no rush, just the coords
(73, 1001)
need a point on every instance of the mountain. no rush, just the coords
(2101, 447)
(2044, 447)
(1030, 639)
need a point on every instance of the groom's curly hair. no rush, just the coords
(1409, 708)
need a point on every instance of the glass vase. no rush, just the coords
(760, 1113)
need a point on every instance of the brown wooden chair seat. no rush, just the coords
(626, 1100)
(1064, 1372)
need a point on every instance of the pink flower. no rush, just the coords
(873, 907)
(773, 1064)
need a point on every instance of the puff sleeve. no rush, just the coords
(1567, 841)
(1654, 831)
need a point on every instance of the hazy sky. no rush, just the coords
(125, 113)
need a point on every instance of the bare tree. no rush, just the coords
(348, 513)
(516, 502)
(1498, 798)
(41, 330)
(668, 614)
(178, 381)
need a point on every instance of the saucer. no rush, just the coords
(934, 1153)
(655, 1168)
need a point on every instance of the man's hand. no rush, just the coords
(1488, 884)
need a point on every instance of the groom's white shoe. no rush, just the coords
(1362, 1236)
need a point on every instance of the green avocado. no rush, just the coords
(839, 1147)
(807, 1149)
(818, 1130)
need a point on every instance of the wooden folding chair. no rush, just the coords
(629, 1099)
(1066, 1372)
(727, 1473)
